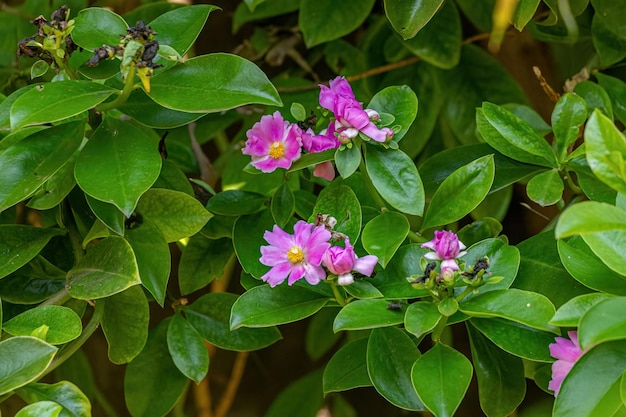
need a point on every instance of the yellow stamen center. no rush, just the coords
(277, 150)
(295, 255)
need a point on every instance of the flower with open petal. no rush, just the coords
(295, 256)
(567, 352)
(447, 248)
(342, 261)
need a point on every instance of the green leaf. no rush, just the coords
(596, 97)
(176, 214)
(525, 307)
(187, 348)
(607, 41)
(56, 188)
(30, 357)
(395, 177)
(118, 164)
(56, 101)
(320, 337)
(141, 108)
(439, 42)
(347, 368)
(125, 324)
(236, 202)
(341, 203)
(401, 102)
(570, 313)
(28, 163)
(363, 289)
(616, 89)
(392, 281)
(74, 402)
(227, 81)
(325, 20)
(348, 160)
(591, 388)
(590, 217)
(409, 16)
(153, 257)
(603, 322)
(569, 113)
(41, 409)
(38, 69)
(441, 377)
(513, 137)
(500, 376)
(516, 339)
(202, 261)
(108, 214)
(308, 391)
(524, 11)
(421, 317)
(109, 267)
(390, 356)
(546, 188)
(606, 149)
(608, 247)
(265, 306)
(283, 205)
(180, 27)
(20, 243)
(210, 315)
(152, 382)
(96, 26)
(311, 159)
(248, 238)
(367, 314)
(264, 10)
(460, 193)
(383, 235)
(63, 325)
(579, 260)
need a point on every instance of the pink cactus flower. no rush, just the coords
(567, 352)
(295, 256)
(273, 143)
(342, 261)
(447, 247)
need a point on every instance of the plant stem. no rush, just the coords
(439, 328)
(233, 384)
(465, 292)
(338, 297)
(58, 299)
(121, 99)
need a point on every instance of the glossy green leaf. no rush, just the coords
(341, 203)
(202, 261)
(34, 357)
(409, 16)
(590, 217)
(109, 267)
(33, 283)
(262, 11)
(63, 325)
(525, 307)
(595, 96)
(52, 102)
(546, 188)
(74, 402)
(97, 26)
(500, 376)
(591, 388)
(606, 149)
(140, 107)
(421, 317)
(439, 42)
(580, 261)
(152, 382)
(153, 257)
(266, 306)
(363, 289)
(236, 203)
(484, 228)
(390, 356)
(320, 337)
(311, 159)
(401, 102)
(441, 377)
(308, 391)
(56, 188)
(324, 20)
(570, 313)
(31, 161)
(210, 316)
(607, 41)
(569, 113)
(41, 409)
(448, 306)
(460, 193)
(347, 368)
(227, 81)
(383, 235)
(187, 348)
(248, 238)
(513, 137)
(176, 214)
(108, 214)
(516, 339)
(603, 322)
(180, 27)
(20, 243)
(367, 314)
(125, 324)
(616, 89)
(392, 281)
(38, 69)
(395, 177)
(348, 160)
(593, 188)
(118, 164)
(7, 103)
(608, 246)
(283, 205)
(524, 11)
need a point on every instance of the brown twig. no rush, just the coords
(233, 384)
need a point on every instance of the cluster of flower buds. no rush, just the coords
(52, 43)
(308, 254)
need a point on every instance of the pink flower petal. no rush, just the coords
(365, 265)
(314, 274)
(277, 274)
